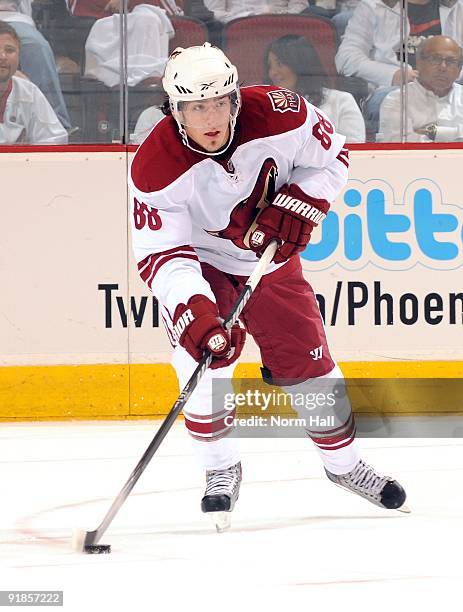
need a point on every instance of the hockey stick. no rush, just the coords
(86, 539)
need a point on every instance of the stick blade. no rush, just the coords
(82, 538)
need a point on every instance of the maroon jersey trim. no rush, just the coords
(150, 266)
(163, 158)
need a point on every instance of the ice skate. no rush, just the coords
(380, 490)
(222, 491)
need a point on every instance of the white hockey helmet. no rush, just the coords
(200, 73)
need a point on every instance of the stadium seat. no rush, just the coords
(188, 32)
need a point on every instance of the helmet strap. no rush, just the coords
(186, 141)
(232, 125)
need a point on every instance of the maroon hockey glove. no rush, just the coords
(197, 326)
(290, 218)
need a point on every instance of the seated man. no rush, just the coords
(226, 10)
(435, 101)
(37, 60)
(26, 117)
(103, 8)
(371, 47)
(344, 11)
(148, 31)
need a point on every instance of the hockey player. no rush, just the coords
(224, 173)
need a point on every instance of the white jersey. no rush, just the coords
(26, 116)
(188, 207)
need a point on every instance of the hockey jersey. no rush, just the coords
(188, 208)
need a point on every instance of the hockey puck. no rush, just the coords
(97, 549)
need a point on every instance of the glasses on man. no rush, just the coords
(436, 60)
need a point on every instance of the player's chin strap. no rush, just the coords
(83, 539)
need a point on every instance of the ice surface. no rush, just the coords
(296, 543)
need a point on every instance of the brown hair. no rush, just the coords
(5, 28)
(300, 56)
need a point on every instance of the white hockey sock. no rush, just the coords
(216, 454)
(330, 424)
(341, 460)
(205, 413)
(338, 449)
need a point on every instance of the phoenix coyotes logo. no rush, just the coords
(243, 217)
(284, 100)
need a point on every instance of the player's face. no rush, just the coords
(281, 74)
(207, 122)
(439, 65)
(9, 57)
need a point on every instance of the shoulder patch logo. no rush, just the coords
(284, 100)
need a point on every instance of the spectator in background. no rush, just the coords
(226, 10)
(26, 117)
(371, 47)
(146, 121)
(292, 62)
(435, 101)
(149, 30)
(103, 8)
(331, 9)
(344, 11)
(36, 60)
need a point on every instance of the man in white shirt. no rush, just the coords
(26, 117)
(371, 47)
(37, 59)
(435, 101)
(148, 32)
(373, 50)
(226, 10)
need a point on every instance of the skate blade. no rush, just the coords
(405, 509)
(221, 520)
